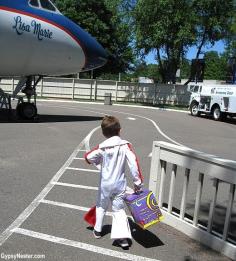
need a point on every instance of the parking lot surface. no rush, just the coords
(46, 187)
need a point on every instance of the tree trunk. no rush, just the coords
(161, 69)
(198, 53)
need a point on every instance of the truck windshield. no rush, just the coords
(193, 88)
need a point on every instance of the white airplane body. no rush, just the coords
(24, 51)
(37, 40)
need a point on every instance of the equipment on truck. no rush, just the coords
(215, 100)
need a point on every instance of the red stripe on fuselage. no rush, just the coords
(46, 21)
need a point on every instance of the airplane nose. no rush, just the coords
(95, 54)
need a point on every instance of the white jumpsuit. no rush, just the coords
(113, 154)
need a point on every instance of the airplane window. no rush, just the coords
(47, 5)
(34, 3)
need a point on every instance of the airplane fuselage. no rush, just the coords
(37, 41)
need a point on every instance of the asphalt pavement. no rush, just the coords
(46, 187)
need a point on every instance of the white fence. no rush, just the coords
(90, 89)
(196, 194)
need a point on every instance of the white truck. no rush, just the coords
(215, 100)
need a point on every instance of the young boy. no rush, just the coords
(112, 154)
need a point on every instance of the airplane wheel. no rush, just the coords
(26, 110)
(19, 110)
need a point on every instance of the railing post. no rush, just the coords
(198, 198)
(154, 180)
(213, 204)
(155, 93)
(116, 91)
(41, 89)
(95, 90)
(136, 88)
(172, 187)
(184, 195)
(162, 182)
(229, 211)
(91, 90)
(13, 84)
(73, 89)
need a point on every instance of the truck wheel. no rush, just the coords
(194, 109)
(217, 114)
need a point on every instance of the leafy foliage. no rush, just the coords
(167, 28)
(231, 38)
(215, 66)
(213, 21)
(105, 22)
(146, 70)
(170, 27)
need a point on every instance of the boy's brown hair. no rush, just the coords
(110, 126)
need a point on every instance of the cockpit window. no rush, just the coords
(34, 3)
(46, 4)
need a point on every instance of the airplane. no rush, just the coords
(37, 40)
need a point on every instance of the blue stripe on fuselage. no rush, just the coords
(94, 52)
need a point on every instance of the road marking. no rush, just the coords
(79, 158)
(34, 204)
(65, 205)
(131, 119)
(87, 139)
(155, 125)
(80, 208)
(74, 185)
(125, 113)
(89, 170)
(80, 245)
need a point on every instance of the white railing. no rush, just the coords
(92, 89)
(196, 194)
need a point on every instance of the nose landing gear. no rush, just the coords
(28, 110)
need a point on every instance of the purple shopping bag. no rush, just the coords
(144, 208)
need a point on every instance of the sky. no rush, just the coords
(219, 47)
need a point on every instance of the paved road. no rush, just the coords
(45, 187)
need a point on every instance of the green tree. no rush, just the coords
(103, 22)
(231, 39)
(146, 70)
(121, 50)
(215, 66)
(165, 28)
(170, 27)
(213, 23)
